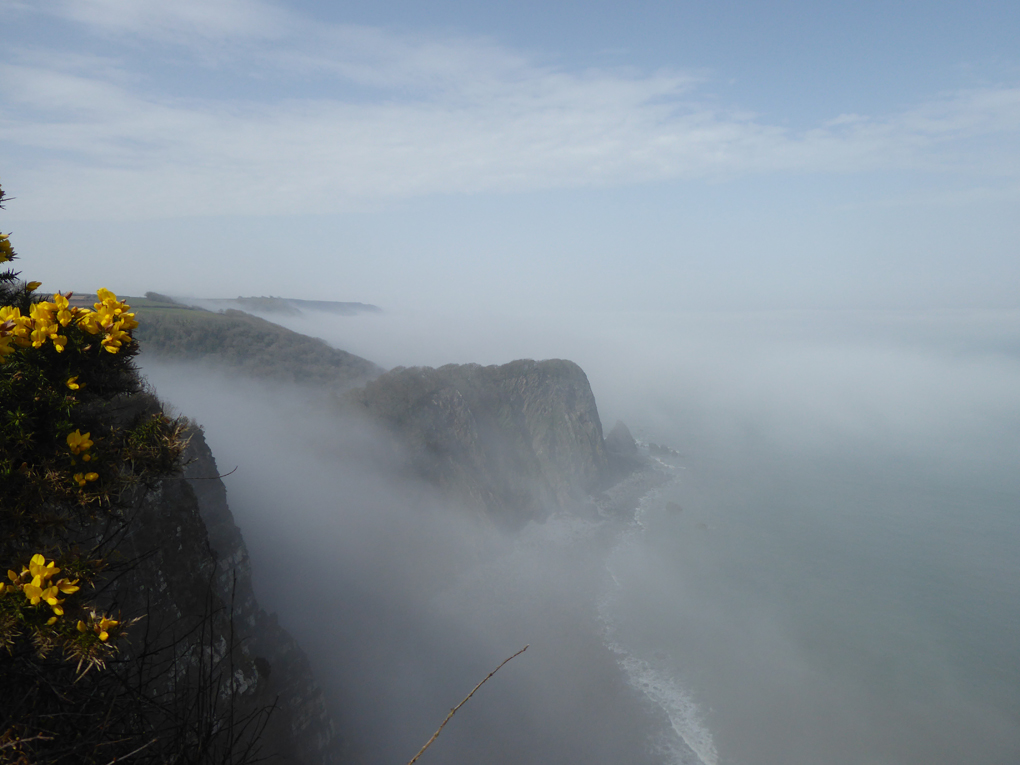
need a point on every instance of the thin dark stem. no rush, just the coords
(462, 703)
(131, 754)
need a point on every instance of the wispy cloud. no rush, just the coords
(182, 21)
(394, 116)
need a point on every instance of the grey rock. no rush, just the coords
(301, 729)
(519, 440)
(623, 452)
(621, 442)
(179, 561)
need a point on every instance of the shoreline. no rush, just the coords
(682, 738)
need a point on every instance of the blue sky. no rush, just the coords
(477, 155)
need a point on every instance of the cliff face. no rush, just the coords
(208, 643)
(300, 729)
(520, 440)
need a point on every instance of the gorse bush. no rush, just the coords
(60, 456)
(81, 447)
(61, 464)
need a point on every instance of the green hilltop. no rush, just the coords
(237, 340)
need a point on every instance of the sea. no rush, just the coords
(826, 570)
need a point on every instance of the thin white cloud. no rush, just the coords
(440, 116)
(179, 21)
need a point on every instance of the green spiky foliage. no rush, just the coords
(8, 277)
(52, 393)
(81, 447)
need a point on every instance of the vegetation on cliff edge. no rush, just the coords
(81, 445)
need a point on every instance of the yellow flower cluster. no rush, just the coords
(80, 444)
(28, 331)
(82, 478)
(37, 585)
(89, 641)
(110, 318)
(99, 625)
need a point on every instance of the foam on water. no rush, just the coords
(694, 744)
(684, 714)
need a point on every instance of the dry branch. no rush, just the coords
(462, 703)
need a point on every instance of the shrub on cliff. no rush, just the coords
(63, 463)
(77, 455)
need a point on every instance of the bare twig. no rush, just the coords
(210, 477)
(462, 703)
(20, 741)
(131, 754)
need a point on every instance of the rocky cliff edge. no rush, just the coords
(519, 440)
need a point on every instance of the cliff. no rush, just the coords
(300, 730)
(191, 576)
(518, 440)
(204, 674)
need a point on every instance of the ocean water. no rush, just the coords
(850, 616)
(829, 573)
(832, 574)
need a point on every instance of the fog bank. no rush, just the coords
(839, 512)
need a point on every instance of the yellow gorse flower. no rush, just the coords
(65, 313)
(42, 313)
(39, 568)
(15, 326)
(77, 442)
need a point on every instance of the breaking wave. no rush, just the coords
(693, 744)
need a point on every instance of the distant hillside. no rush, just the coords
(288, 306)
(237, 340)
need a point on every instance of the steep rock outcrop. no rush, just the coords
(181, 562)
(518, 440)
(620, 442)
(622, 449)
(301, 728)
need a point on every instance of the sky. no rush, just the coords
(466, 156)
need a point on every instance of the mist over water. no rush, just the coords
(829, 575)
